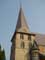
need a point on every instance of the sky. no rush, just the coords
(34, 11)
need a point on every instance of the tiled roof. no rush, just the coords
(40, 39)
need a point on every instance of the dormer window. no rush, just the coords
(21, 36)
(29, 37)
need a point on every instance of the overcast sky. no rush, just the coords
(34, 11)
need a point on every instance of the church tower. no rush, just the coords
(22, 39)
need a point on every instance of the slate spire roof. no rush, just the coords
(21, 20)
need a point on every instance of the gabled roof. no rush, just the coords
(21, 21)
(35, 46)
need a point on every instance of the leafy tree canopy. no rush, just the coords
(2, 54)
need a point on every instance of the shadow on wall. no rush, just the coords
(41, 56)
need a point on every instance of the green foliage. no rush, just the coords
(2, 54)
(41, 56)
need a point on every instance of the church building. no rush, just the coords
(25, 44)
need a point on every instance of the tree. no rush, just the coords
(2, 54)
(41, 56)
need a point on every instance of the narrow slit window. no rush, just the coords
(21, 36)
(22, 45)
(29, 37)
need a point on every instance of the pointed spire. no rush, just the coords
(21, 23)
